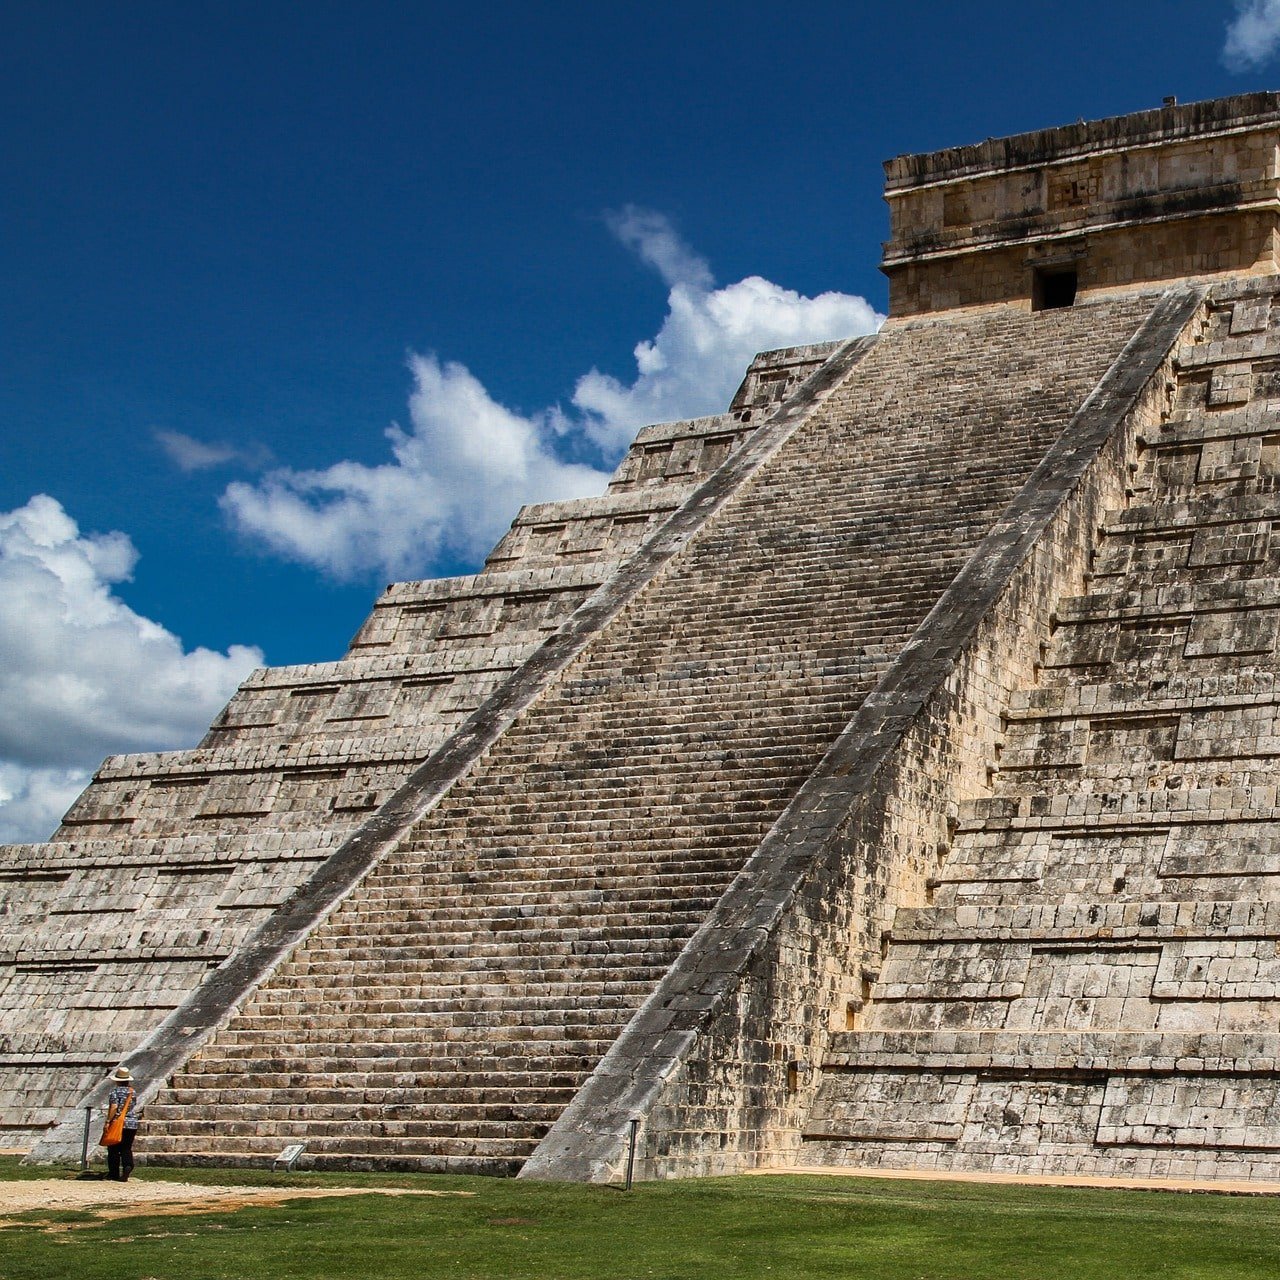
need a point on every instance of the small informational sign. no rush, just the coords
(289, 1156)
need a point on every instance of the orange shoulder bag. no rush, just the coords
(113, 1130)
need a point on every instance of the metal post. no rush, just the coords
(84, 1143)
(633, 1124)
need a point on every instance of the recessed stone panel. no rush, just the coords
(1008, 1117)
(1235, 458)
(892, 1106)
(1229, 384)
(1237, 850)
(1122, 738)
(954, 971)
(1229, 732)
(1081, 987)
(1217, 969)
(1250, 315)
(1203, 1112)
(1231, 544)
(1232, 632)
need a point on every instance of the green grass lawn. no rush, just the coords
(774, 1227)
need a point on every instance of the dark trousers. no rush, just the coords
(120, 1157)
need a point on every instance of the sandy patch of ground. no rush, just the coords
(138, 1196)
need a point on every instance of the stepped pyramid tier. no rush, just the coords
(880, 773)
(211, 841)
(1091, 984)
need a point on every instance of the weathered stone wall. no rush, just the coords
(1142, 256)
(722, 1062)
(1181, 192)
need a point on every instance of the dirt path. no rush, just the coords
(139, 1196)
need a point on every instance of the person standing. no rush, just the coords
(122, 1100)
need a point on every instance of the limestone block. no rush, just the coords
(1118, 738)
(1012, 1116)
(1154, 641)
(1212, 969)
(1230, 384)
(893, 1106)
(1244, 543)
(106, 804)
(1250, 315)
(1244, 850)
(1083, 644)
(953, 971)
(1173, 467)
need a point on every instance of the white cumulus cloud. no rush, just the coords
(709, 336)
(82, 674)
(456, 478)
(1253, 35)
(465, 463)
(32, 801)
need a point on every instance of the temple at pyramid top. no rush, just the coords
(1177, 192)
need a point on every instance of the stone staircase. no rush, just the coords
(443, 1015)
(169, 862)
(1093, 986)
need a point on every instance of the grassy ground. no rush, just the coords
(777, 1228)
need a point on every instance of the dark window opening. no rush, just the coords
(1053, 287)
(955, 208)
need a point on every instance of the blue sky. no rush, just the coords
(239, 246)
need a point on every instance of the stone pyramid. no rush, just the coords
(878, 774)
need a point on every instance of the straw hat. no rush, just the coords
(122, 1073)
